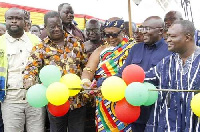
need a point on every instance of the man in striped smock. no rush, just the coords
(172, 112)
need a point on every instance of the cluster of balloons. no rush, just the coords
(195, 104)
(54, 90)
(129, 93)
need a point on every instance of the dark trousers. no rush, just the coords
(73, 121)
(1, 121)
(137, 127)
(90, 119)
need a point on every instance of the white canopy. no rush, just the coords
(105, 9)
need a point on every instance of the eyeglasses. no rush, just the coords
(146, 29)
(113, 35)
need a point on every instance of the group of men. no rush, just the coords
(166, 50)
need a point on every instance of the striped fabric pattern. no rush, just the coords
(172, 112)
(111, 59)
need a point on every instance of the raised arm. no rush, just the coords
(92, 64)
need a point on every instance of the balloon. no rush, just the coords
(57, 93)
(36, 96)
(60, 110)
(133, 73)
(153, 95)
(71, 81)
(126, 112)
(195, 105)
(136, 94)
(49, 74)
(113, 88)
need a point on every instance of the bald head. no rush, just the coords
(174, 14)
(152, 29)
(15, 10)
(2, 29)
(170, 17)
(156, 20)
(93, 22)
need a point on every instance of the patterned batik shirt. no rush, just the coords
(69, 58)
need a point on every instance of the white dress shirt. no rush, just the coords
(18, 51)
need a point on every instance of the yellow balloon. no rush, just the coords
(113, 88)
(57, 93)
(195, 104)
(71, 81)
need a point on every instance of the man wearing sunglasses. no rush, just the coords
(147, 54)
(104, 62)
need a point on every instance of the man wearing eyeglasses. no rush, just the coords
(147, 54)
(138, 36)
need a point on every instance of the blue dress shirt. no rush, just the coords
(146, 57)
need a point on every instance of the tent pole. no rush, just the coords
(130, 21)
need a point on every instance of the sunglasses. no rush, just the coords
(113, 35)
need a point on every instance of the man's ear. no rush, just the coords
(188, 37)
(161, 31)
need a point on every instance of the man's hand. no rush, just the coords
(28, 83)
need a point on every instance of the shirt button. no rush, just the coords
(20, 51)
(22, 63)
(23, 98)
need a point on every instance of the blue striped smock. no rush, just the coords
(172, 111)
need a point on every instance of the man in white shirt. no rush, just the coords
(15, 109)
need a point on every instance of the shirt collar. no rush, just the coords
(11, 39)
(157, 44)
(48, 40)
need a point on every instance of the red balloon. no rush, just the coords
(125, 112)
(133, 73)
(60, 110)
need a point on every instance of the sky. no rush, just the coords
(105, 9)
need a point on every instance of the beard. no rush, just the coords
(15, 30)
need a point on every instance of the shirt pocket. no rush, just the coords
(136, 60)
(11, 53)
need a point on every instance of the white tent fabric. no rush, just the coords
(105, 9)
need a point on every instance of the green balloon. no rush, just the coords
(49, 74)
(136, 94)
(153, 95)
(36, 96)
